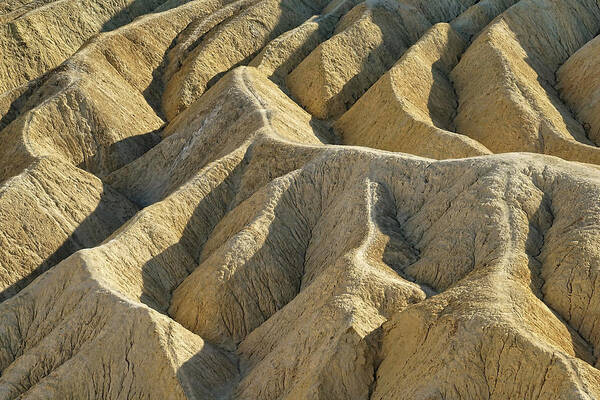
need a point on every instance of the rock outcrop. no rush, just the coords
(185, 211)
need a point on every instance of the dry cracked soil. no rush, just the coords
(300, 199)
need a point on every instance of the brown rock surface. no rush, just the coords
(184, 212)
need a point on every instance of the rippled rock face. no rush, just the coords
(289, 199)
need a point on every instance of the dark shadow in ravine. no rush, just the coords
(135, 9)
(284, 24)
(133, 147)
(163, 273)
(211, 364)
(441, 116)
(154, 92)
(540, 224)
(575, 29)
(17, 105)
(326, 25)
(158, 276)
(379, 60)
(112, 211)
(119, 154)
(399, 252)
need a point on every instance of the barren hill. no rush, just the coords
(299, 199)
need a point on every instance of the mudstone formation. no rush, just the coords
(299, 199)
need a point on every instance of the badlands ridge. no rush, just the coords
(299, 199)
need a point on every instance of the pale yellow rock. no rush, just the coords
(86, 340)
(511, 355)
(510, 69)
(41, 36)
(411, 108)
(233, 41)
(478, 16)
(579, 85)
(175, 225)
(367, 43)
(101, 127)
(282, 55)
(49, 211)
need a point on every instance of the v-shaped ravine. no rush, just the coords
(293, 199)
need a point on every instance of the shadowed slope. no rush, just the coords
(579, 85)
(173, 224)
(510, 68)
(38, 36)
(250, 245)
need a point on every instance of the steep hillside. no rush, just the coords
(289, 199)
